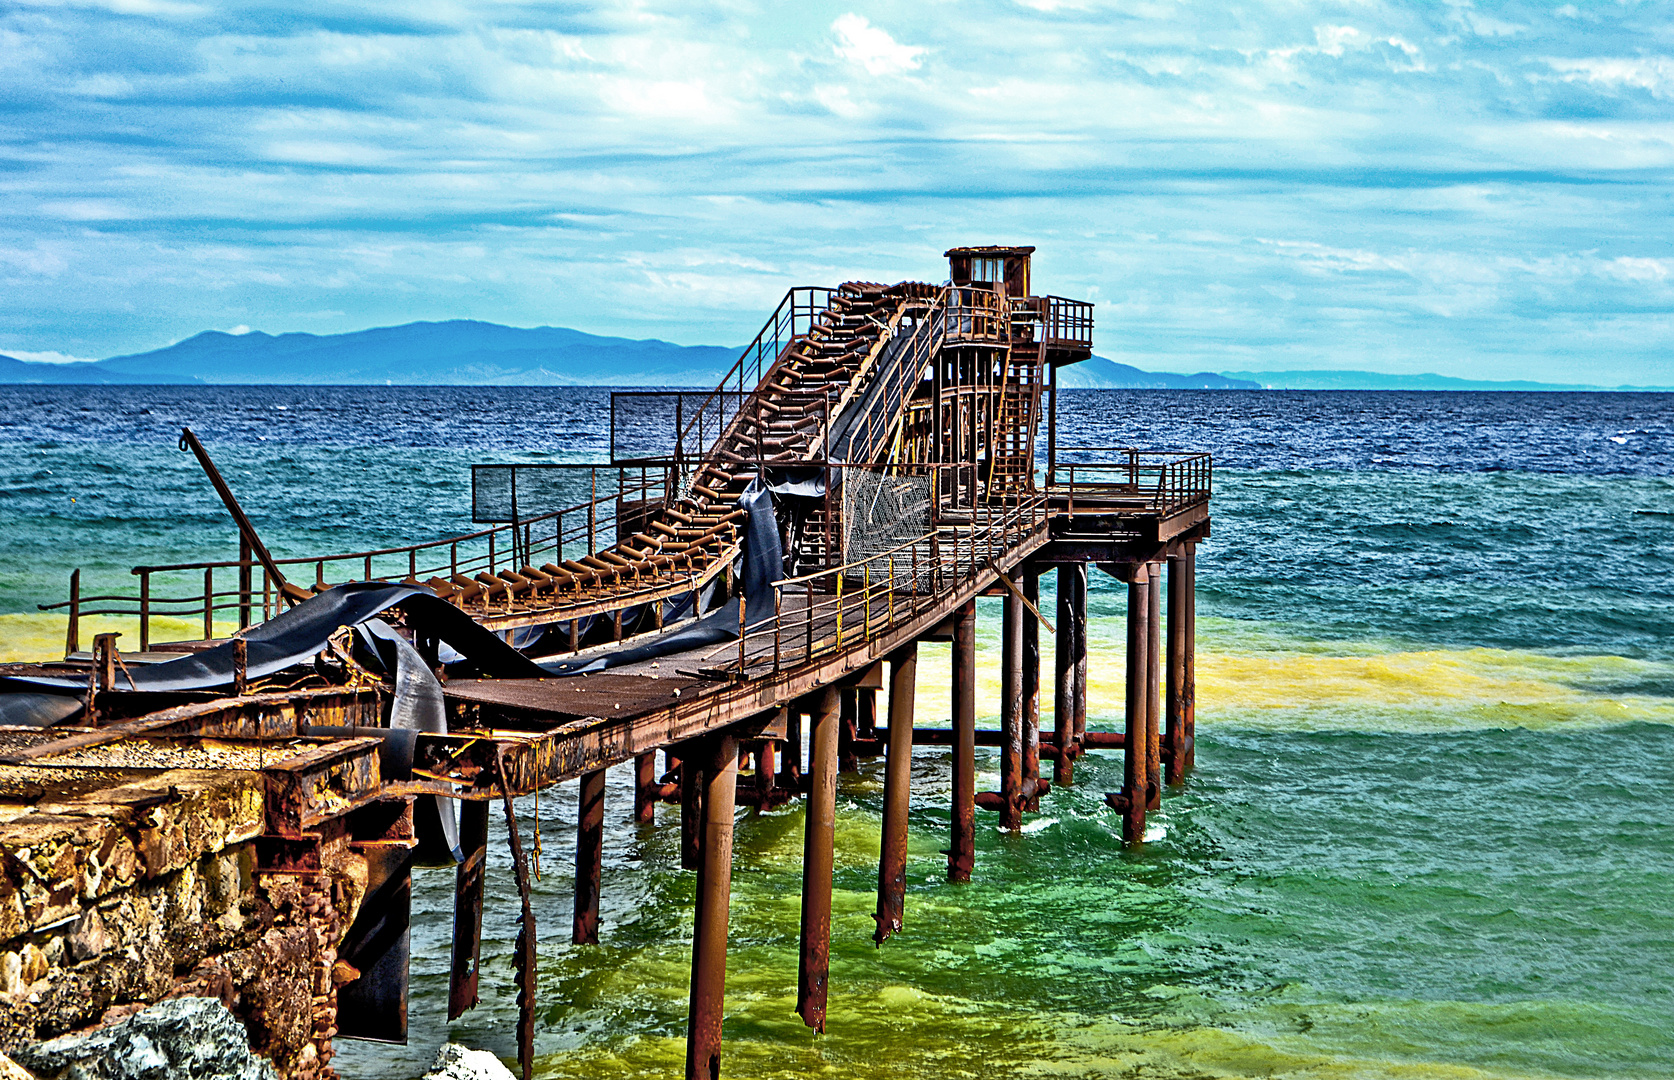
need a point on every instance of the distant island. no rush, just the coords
(462, 352)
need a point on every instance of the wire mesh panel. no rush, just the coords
(881, 512)
(501, 493)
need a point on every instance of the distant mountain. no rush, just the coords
(1101, 374)
(1373, 380)
(455, 353)
(13, 370)
(468, 353)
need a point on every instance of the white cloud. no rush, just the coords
(527, 164)
(45, 357)
(1334, 39)
(1653, 73)
(859, 42)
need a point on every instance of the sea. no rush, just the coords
(1430, 833)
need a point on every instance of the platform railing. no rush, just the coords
(1067, 322)
(210, 591)
(977, 315)
(797, 314)
(829, 610)
(1154, 481)
(868, 435)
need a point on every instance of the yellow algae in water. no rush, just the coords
(35, 638)
(1250, 673)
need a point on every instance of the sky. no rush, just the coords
(1475, 190)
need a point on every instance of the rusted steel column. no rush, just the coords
(961, 856)
(467, 906)
(1012, 797)
(1153, 688)
(1030, 676)
(645, 787)
(1080, 698)
(790, 762)
(898, 776)
(1188, 684)
(523, 958)
(589, 858)
(1174, 732)
(1132, 798)
(866, 712)
(818, 853)
(691, 803)
(1063, 685)
(714, 895)
(849, 720)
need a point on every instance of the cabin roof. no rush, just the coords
(988, 250)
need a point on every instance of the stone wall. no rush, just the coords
(121, 893)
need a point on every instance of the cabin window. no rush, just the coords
(992, 271)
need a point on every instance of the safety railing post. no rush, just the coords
(208, 603)
(839, 611)
(145, 607)
(244, 563)
(72, 634)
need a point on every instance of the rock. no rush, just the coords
(190, 1038)
(89, 938)
(455, 1062)
(11, 1070)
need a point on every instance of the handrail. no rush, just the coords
(910, 358)
(781, 327)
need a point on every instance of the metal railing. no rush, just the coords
(868, 437)
(797, 314)
(1156, 481)
(976, 315)
(828, 610)
(1067, 322)
(237, 589)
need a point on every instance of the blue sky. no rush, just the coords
(1479, 190)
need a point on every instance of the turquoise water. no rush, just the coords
(1430, 835)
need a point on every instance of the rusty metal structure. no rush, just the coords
(252, 838)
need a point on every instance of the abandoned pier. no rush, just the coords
(732, 603)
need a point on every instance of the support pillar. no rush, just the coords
(898, 774)
(1153, 688)
(1063, 686)
(1012, 797)
(719, 756)
(849, 718)
(1174, 733)
(1131, 800)
(790, 762)
(1080, 699)
(589, 858)
(961, 856)
(691, 803)
(467, 906)
(1188, 684)
(523, 955)
(1031, 695)
(818, 853)
(866, 712)
(645, 787)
